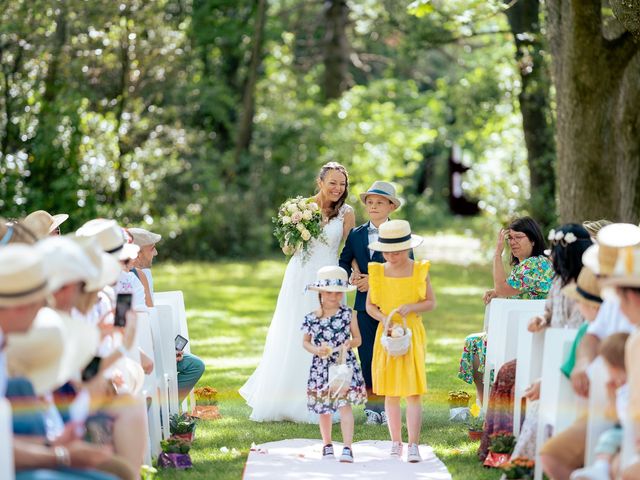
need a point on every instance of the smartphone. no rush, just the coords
(181, 342)
(123, 305)
(91, 370)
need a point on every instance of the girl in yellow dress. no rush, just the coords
(403, 284)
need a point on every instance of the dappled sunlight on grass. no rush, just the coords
(229, 307)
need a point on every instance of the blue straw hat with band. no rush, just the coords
(395, 236)
(384, 189)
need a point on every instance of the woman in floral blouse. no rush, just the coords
(530, 278)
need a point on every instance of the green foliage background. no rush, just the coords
(130, 110)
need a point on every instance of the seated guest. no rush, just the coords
(612, 350)
(568, 244)
(190, 367)
(530, 278)
(42, 223)
(146, 240)
(23, 290)
(15, 232)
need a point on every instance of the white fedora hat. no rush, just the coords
(395, 236)
(331, 279)
(65, 262)
(384, 189)
(54, 351)
(23, 278)
(111, 238)
(108, 267)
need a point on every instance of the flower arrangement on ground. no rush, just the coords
(475, 423)
(206, 403)
(182, 426)
(500, 448)
(299, 220)
(519, 468)
(175, 453)
(458, 399)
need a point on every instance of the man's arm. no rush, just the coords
(347, 254)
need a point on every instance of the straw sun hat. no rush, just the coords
(42, 223)
(110, 237)
(331, 279)
(585, 289)
(395, 236)
(23, 278)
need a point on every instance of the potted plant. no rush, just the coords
(501, 445)
(475, 422)
(458, 399)
(206, 403)
(147, 472)
(175, 454)
(519, 468)
(182, 426)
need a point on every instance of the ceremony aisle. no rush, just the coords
(229, 307)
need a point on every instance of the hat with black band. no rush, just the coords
(395, 236)
(23, 278)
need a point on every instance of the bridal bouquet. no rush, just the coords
(299, 220)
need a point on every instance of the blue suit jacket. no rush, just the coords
(357, 246)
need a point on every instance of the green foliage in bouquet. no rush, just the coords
(519, 468)
(502, 442)
(476, 419)
(181, 424)
(175, 445)
(299, 220)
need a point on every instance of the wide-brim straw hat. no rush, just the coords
(108, 267)
(111, 238)
(384, 189)
(331, 279)
(23, 277)
(586, 289)
(42, 223)
(627, 270)
(54, 351)
(600, 259)
(65, 262)
(395, 236)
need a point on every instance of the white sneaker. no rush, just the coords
(413, 454)
(396, 450)
(383, 418)
(598, 471)
(373, 418)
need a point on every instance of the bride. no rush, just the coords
(277, 388)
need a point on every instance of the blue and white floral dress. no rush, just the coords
(334, 331)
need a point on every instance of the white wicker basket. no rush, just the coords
(396, 346)
(340, 375)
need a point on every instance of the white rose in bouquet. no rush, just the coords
(296, 217)
(306, 235)
(313, 206)
(300, 227)
(307, 214)
(292, 207)
(286, 220)
(302, 204)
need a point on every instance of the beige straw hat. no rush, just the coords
(107, 266)
(42, 223)
(585, 289)
(384, 189)
(627, 269)
(23, 279)
(395, 236)
(66, 262)
(331, 279)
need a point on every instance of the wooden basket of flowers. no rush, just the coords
(458, 399)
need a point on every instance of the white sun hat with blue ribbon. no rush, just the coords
(331, 279)
(384, 189)
(395, 236)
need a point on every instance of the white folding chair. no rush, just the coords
(598, 402)
(161, 317)
(528, 368)
(502, 334)
(151, 389)
(175, 299)
(6, 441)
(557, 399)
(628, 455)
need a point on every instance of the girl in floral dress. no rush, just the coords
(327, 331)
(403, 285)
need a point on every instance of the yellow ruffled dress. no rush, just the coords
(405, 375)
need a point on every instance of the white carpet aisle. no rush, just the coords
(301, 459)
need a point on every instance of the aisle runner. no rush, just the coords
(301, 459)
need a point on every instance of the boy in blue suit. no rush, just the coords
(380, 200)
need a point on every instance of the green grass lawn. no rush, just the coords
(229, 306)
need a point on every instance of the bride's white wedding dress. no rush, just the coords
(277, 389)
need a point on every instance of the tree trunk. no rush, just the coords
(336, 52)
(598, 114)
(628, 13)
(245, 125)
(537, 123)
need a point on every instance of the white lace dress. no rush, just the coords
(277, 389)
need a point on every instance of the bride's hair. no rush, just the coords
(335, 208)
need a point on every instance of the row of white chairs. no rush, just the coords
(540, 355)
